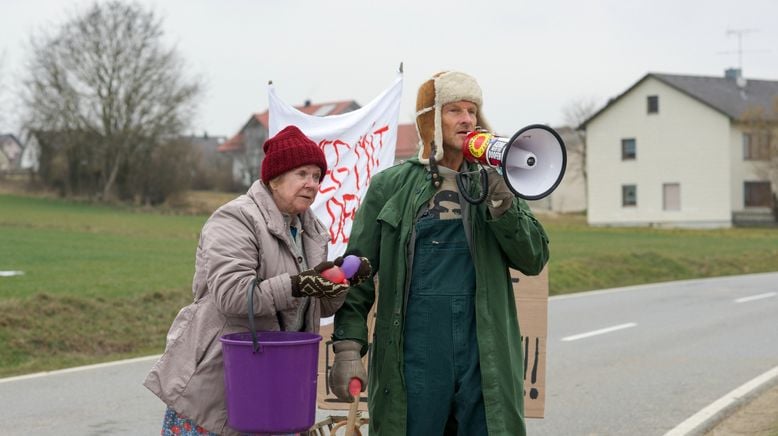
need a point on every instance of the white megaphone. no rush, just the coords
(532, 161)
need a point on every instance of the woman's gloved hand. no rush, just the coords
(347, 365)
(310, 283)
(500, 197)
(363, 272)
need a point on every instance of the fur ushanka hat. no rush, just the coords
(444, 87)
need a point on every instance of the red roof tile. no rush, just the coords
(233, 144)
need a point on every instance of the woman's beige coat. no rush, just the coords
(244, 239)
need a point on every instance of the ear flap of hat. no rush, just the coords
(425, 119)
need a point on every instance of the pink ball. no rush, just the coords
(350, 265)
(334, 274)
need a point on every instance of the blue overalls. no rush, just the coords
(441, 365)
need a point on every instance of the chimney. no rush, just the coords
(736, 75)
(307, 103)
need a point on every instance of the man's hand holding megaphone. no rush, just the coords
(500, 197)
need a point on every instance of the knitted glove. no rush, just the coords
(310, 283)
(347, 365)
(500, 197)
(363, 273)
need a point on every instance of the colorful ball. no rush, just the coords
(350, 265)
(334, 274)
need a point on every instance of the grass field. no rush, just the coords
(102, 283)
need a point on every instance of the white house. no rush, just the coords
(30, 159)
(10, 152)
(675, 150)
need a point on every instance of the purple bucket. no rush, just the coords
(272, 390)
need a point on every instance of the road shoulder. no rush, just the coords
(757, 417)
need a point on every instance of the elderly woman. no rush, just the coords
(269, 236)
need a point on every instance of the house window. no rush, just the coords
(671, 196)
(757, 194)
(629, 195)
(628, 149)
(756, 146)
(652, 103)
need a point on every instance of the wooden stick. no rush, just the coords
(354, 388)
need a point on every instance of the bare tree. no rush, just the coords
(107, 91)
(575, 114)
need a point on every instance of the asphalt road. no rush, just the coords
(631, 361)
(663, 353)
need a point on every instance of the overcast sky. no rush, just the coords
(532, 58)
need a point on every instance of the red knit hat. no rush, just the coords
(290, 149)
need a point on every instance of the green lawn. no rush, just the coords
(102, 283)
(99, 282)
(585, 258)
(84, 250)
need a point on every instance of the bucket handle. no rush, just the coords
(251, 314)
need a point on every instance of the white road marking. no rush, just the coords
(11, 273)
(79, 368)
(599, 332)
(723, 403)
(755, 297)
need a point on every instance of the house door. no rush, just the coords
(671, 196)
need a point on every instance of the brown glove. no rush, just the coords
(347, 365)
(310, 283)
(500, 197)
(363, 273)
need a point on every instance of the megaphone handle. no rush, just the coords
(466, 195)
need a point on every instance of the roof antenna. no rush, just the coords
(739, 33)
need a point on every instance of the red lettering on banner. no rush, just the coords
(343, 204)
(341, 211)
(336, 181)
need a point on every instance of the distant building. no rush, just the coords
(10, 152)
(31, 154)
(245, 147)
(678, 150)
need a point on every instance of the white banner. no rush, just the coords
(357, 144)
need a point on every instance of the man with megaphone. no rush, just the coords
(446, 356)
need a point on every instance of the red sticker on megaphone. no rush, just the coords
(476, 144)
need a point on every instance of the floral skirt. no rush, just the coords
(177, 425)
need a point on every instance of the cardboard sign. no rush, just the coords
(531, 296)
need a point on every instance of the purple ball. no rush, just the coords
(350, 265)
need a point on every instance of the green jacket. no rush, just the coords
(383, 231)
